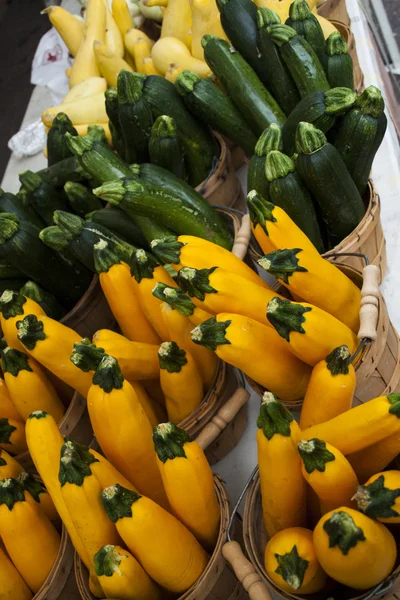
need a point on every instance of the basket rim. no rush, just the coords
(66, 550)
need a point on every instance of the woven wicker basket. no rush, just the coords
(55, 586)
(334, 10)
(218, 581)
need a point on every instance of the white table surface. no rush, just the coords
(238, 465)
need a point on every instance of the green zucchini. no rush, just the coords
(287, 190)
(69, 169)
(96, 132)
(301, 60)
(323, 171)
(14, 204)
(205, 100)
(47, 301)
(320, 109)
(43, 197)
(97, 159)
(338, 63)
(165, 147)
(239, 21)
(155, 202)
(114, 219)
(11, 284)
(9, 271)
(134, 115)
(270, 139)
(242, 85)
(277, 76)
(197, 140)
(57, 148)
(111, 96)
(21, 246)
(302, 20)
(360, 134)
(81, 199)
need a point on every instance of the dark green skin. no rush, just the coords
(46, 199)
(304, 66)
(358, 139)
(102, 164)
(114, 219)
(9, 271)
(58, 174)
(11, 284)
(197, 141)
(166, 180)
(243, 86)
(291, 194)
(332, 187)
(57, 148)
(12, 204)
(310, 109)
(339, 70)
(215, 109)
(256, 179)
(83, 201)
(310, 30)
(136, 121)
(167, 152)
(277, 76)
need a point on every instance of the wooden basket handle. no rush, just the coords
(369, 310)
(242, 239)
(245, 572)
(223, 417)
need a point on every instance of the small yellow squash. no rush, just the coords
(9, 467)
(13, 308)
(71, 29)
(85, 64)
(376, 457)
(379, 498)
(8, 409)
(177, 20)
(168, 50)
(12, 586)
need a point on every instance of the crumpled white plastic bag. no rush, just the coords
(49, 64)
(29, 141)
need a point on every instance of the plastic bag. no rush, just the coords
(49, 64)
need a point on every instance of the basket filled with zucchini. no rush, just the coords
(321, 516)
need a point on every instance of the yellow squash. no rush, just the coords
(331, 388)
(132, 36)
(85, 64)
(171, 50)
(7, 407)
(141, 52)
(283, 488)
(177, 20)
(137, 360)
(122, 16)
(180, 381)
(329, 473)
(71, 29)
(173, 71)
(82, 111)
(310, 332)
(317, 281)
(190, 251)
(109, 63)
(9, 467)
(14, 307)
(379, 497)
(30, 539)
(83, 130)
(120, 424)
(376, 457)
(105, 472)
(12, 586)
(205, 19)
(292, 564)
(165, 548)
(188, 482)
(154, 412)
(121, 576)
(118, 288)
(81, 492)
(256, 350)
(51, 343)
(113, 37)
(149, 68)
(28, 385)
(12, 436)
(146, 273)
(353, 549)
(39, 493)
(361, 426)
(88, 87)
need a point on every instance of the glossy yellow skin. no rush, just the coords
(12, 586)
(183, 391)
(88, 87)
(325, 286)
(80, 111)
(121, 296)
(71, 29)
(199, 315)
(113, 37)
(141, 50)
(85, 64)
(173, 72)
(149, 303)
(31, 390)
(177, 20)
(89, 516)
(336, 485)
(132, 36)
(358, 428)
(109, 63)
(12, 468)
(7, 407)
(322, 334)
(121, 15)
(189, 485)
(205, 19)
(30, 540)
(106, 473)
(153, 388)
(47, 505)
(153, 411)
(202, 254)
(373, 459)
(136, 359)
(54, 353)
(124, 433)
(179, 328)
(16, 443)
(44, 443)
(283, 488)
(391, 482)
(164, 547)
(282, 543)
(129, 581)
(366, 564)
(263, 355)
(171, 50)
(30, 307)
(149, 68)
(327, 395)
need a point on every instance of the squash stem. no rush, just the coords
(169, 441)
(13, 361)
(11, 304)
(267, 17)
(335, 44)
(343, 532)
(196, 282)
(338, 361)
(130, 87)
(68, 223)
(30, 180)
(175, 297)
(167, 250)
(31, 485)
(55, 238)
(11, 491)
(371, 102)
(74, 467)
(9, 225)
(118, 501)
(105, 257)
(286, 316)
(314, 455)
(282, 263)
(142, 265)
(292, 568)
(211, 333)
(270, 139)
(274, 417)
(87, 356)
(309, 139)
(171, 357)
(30, 331)
(260, 210)
(278, 165)
(108, 374)
(107, 561)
